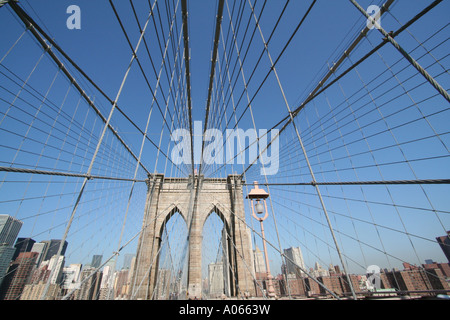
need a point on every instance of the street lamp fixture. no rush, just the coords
(259, 196)
(259, 207)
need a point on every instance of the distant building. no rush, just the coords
(415, 279)
(127, 259)
(312, 287)
(260, 265)
(96, 261)
(23, 245)
(107, 284)
(40, 248)
(9, 229)
(41, 274)
(89, 285)
(216, 280)
(56, 265)
(18, 276)
(294, 261)
(444, 267)
(122, 284)
(163, 288)
(332, 283)
(293, 286)
(52, 248)
(37, 285)
(35, 292)
(70, 278)
(444, 242)
(318, 271)
(6, 254)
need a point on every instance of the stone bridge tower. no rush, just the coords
(195, 198)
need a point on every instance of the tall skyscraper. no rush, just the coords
(294, 261)
(215, 280)
(23, 245)
(96, 260)
(127, 258)
(107, 284)
(52, 249)
(260, 264)
(40, 248)
(56, 263)
(6, 254)
(9, 229)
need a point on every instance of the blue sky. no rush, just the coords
(102, 51)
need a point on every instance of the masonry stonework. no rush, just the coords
(195, 198)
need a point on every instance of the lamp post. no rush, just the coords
(259, 195)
